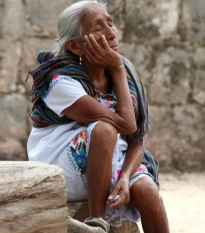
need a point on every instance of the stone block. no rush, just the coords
(188, 143)
(10, 59)
(33, 198)
(13, 116)
(30, 50)
(12, 25)
(159, 138)
(150, 20)
(199, 78)
(171, 78)
(12, 149)
(194, 18)
(44, 16)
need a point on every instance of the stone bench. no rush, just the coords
(79, 211)
(33, 200)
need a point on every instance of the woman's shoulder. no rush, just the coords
(62, 78)
(127, 62)
(62, 83)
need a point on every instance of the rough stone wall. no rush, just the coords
(164, 39)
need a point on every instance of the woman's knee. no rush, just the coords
(145, 194)
(105, 132)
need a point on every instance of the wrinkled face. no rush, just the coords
(96, 22)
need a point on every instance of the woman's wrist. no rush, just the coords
(125, 175)
(118, 73)
(118, 68)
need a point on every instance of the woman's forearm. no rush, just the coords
(134, 157)
(124, 102)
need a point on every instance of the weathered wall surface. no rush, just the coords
(164, 39)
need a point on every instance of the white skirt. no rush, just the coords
(69, 149)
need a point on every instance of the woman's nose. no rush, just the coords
(110, 32)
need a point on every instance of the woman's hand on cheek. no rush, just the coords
(99, 53)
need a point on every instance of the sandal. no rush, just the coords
(96, 222)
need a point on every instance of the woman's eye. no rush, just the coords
(110, 24)
(98, 29)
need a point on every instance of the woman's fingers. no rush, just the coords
(119, 200)
(92, 45)
(95, 44)
(114, 196)
(89, 50)
(119, 195)
(99, 52)
(104, 42)
(88, 54)
(93, 50)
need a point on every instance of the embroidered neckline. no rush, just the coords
(99, 95)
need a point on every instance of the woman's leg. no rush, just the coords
(99, 167)
(144, 196)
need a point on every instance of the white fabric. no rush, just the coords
(64, 94)
(50, 145)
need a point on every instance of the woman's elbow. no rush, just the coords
(130, 128)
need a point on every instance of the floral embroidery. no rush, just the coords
(142, 168)
(78, 151)
(80, 158)
(108, 100)
(97, 95)
(75, 141)
(118, 173)
(55, 77)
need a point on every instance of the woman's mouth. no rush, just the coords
(114, 47)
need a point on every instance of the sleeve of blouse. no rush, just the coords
(62, 93)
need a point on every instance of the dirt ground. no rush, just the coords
(184, 199)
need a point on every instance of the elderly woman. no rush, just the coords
(90, 116)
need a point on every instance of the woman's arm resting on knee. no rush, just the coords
(87, 110)
(133, 160)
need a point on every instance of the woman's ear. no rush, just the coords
(74, 47)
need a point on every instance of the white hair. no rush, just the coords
(69, 22)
